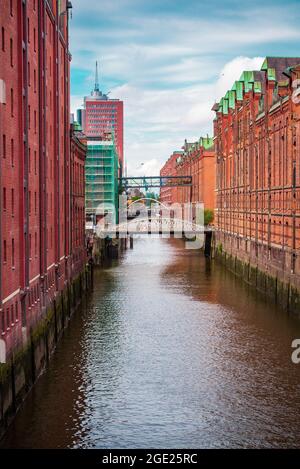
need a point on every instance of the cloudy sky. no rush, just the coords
(170, 60)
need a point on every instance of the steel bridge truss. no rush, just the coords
(155, 181)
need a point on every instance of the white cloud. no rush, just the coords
(158, 121)
(173, 66)
(233, 70)
(151, 167)
(169, 48)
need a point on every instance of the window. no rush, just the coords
(28, 30)
(11, 7)
(35, 244)
(35, 203)
(4, 198)
(35, 168)
(12, 201)
(35, 122)
(12, 102)
(11, 53)
(13, 252)
(34, 80)
(3, 322)
(29, 194)
(34, 39)
(12, 152)
(3, 39)
(4, 251)
(29, 78)
(4, 146)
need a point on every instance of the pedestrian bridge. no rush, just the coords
(157, 225)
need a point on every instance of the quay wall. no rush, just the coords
(268, 270)
(25, 364)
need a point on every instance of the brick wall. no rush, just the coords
(35, 232)
(257, 145)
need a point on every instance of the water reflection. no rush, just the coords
(170, 351)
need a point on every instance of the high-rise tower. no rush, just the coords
(101, 114)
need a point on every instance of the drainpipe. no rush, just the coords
(294, 183)
(294, 186)
(2, 102)
(42, 152)
(57, 154)
(67, 156)
(24, 94)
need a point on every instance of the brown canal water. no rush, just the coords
(170, 350)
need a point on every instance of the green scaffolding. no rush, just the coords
(101, 178)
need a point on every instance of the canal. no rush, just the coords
(170, 351)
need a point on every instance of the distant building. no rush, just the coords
(168, 195)
(197, 160)
(101, 114)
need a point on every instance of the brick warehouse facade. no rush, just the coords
(78, 156)
(42, 243)
(257, 141)
(168, 195)
(196, 160)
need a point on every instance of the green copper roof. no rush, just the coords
(283, 83)
(271, 74)
(224, 105)
(238, 88)
(206, 142)
(230, 95)
(220, 109)
(265, 64)
(257, 87)
(248, 78)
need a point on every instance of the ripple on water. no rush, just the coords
(170, 351)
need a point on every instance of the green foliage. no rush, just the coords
(208, 216)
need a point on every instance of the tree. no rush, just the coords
(208, 216)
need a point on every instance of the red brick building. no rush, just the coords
(196, 160)
(257, 141)
(168, 195)
(101, 114)
(78, 156)
(36, 232)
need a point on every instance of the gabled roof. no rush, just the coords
(207, 142)
(274, 68)
(279, 65)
